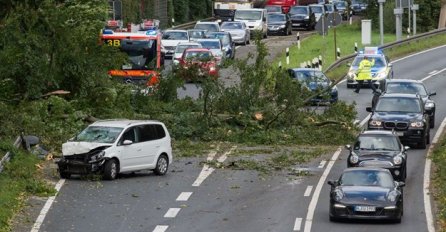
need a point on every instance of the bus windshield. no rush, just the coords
(141, 53)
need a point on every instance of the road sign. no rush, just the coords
(403, 3)
(322, 26)
(334, 19)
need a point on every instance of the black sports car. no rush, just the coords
(409, 86)
(377, 148)
(366, 193)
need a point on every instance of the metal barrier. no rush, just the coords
(7, 156)
(389, 45)
(190, 24)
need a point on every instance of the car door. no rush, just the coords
(130, 155)
(152, 143)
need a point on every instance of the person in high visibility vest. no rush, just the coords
(364, 73)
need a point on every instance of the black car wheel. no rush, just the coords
(110, 170)
(161, 165)
(432, 121)
(65, 175)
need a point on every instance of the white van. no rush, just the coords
(254, 18)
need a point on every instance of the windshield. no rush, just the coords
(317, 9)
(141, 53)
(198, 55)
(379, 61)
(329, 7)
(224, 38)
(367, 178)
(412, 88)
(299, 10)
(340, 4)
(99, 134)
(210, 44)
(197, 34)
(273, 9)
(398, 104)
(175, 35)
(375, 142)
(308, 76)
(276, 18)
(206, 27)
(181, 47)
(234, 25)
(248, 15)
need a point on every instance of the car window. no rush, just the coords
(386, 143)
(379, 61)
(276, 18)
(248, 15)
(210, 44)
(130, 134)
(198, 55)
(175, 35)
(412, 88)
(367, 178)
(398, 104)
(99, 134)
(224, 38)
(206, 26)
(317, 9)
(148, 133)
(310, 76)
(180, 48)
(160, 131)
(196, 34)
(299, 10)
(230, 25)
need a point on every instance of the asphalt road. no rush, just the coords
(190, 198)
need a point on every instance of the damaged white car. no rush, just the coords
(111, 147)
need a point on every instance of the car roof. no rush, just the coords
(197, 50)
(207, 22)
(377, 132)
(212, 40)
(218, 32)
(404, 81)
(122, 122)
(320, 5)
(188, 43)
(365, 169)
(175, 30)
(401, 95)
(306, 69)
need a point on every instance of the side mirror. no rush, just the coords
(127, 142)
(332, 182)
(368, 109)
(400, 184)
(348, 146)
(433, 94)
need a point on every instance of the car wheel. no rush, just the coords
(161, 165)
(65, 175)
(333, 219)
(432, 121)
(245, 42)
(110, 170)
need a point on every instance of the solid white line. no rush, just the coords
(205, 172)
(432, 75)
(364, 121)
(172, 212)
(46, 207)
(426, 180)
(184, 196)
(418, 53)
(222, 158)
(432, 72)
(308, 191)
(297, 224)
(160, 228)
(212, 154)
(317, 192)
(322, 164)
(236, 47)
(356, 121)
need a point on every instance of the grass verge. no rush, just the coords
(19, 179)
(439, 181)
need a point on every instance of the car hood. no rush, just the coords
(373, 70)
(364, 194)
(298, 16)
(172, 43)
(234, 31)
(73, 148)
(313, 86)
(377, 155)
(397, 116)
(277, 23)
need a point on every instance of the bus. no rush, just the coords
(144, 56)
(225, 9)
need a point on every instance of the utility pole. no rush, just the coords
(381, 20)
(398, 20)
(415, 7)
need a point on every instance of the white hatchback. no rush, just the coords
(111, 147)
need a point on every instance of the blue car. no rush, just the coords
(315, 80)
(228, 45)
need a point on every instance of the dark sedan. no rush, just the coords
(379, 149)
(315, 81)
(302, 17)
(412, 87)
(342, 8)
(279, 23)
(366, 193)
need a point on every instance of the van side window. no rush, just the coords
(148, 133)
(160, 131)
(131, 135)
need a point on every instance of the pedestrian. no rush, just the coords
(364, 73)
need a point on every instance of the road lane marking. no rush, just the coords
(160, 228)
(184, 196)
(322, 164)
(365, 120)
(418, 53)
(434, 74)
(39, 221)
(172, 212)
(222, 158)
(317, 192)
(205, 172)
(427, 177)
(356, 121)
(308, 191)
(297, 224)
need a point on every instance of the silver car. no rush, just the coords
(215, 46)
(239, 31)
(180, 49)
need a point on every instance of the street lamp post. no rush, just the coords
(381, 20)
(398, 14)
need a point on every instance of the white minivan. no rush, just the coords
(110, 147)
(254, 18)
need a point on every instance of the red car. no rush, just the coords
(202, 58)
(285, 4)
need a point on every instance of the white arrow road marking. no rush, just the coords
(46, 207)
(297, 224)
(427, 177)
(317, 192)
(207, 171)
(160, 228)
(322, 164)
(222, 158)
(308, 191)
(184, 196)
(172, 212)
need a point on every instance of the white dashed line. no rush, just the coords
(160, 228)
(297, 224)
(184, 196)
(433, 72)
(418, 53)
(205, 172)
(308, 191)
(317, 192)
(222, 158)
(322, 164)
(172, 212)
(46, 207)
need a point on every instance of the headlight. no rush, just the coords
(307, 17)
(429, 105)
(397, 160)
(354, 158)
(338, 195)
(212, 69)
(351, 75)
(375, 123)
(381, 75)
(282, 26)
(416, 124)
(392, 196)
(98, 156)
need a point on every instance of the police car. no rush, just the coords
(380, 71)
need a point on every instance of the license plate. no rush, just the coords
(127, 66)
(400, 133)
(361, 208)
(296, 24)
